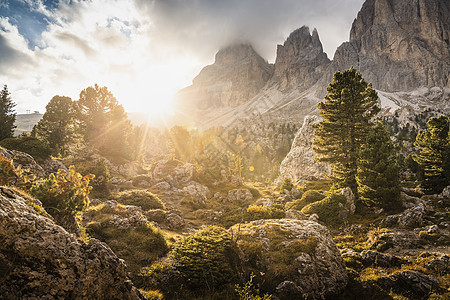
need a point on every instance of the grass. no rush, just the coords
(143, 198)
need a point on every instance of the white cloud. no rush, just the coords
(144, 51)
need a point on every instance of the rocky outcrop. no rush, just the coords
(300, 163)
(295, 257)
(39, 259)
(239, 196)
(300, 61)
(237, 75)
(399, 45)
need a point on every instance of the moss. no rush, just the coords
(152, 294)
(353, 262)
(145, 199)
(308, 197)
(328, 209)
(257, 212)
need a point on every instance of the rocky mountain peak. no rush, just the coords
(234, 53)
(299, 59)
(399, 45)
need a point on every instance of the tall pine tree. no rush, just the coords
(434, 154)
(378, 173)
(346, 113)
(58, 125)
(7, 114)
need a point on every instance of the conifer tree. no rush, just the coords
(57, 126)
(378, 174)
(346, 113)
(434, 154)
(7, 114)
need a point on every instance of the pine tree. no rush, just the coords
(346, 113)
(378, 174)
(434, 154)
(57, 126)
(103, 121)
(7, 114)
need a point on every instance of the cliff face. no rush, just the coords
(399, 45)
(236, 76)
(39, 259)
(300, 60)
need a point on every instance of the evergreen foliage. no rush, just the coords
(7, 114)
(145, 199)
(346, 113)
(378, 174)
(58, 125)
(33, 146)
(286, 185)
(103, 121)
(327, 209)
(101, 181)
(434, 154)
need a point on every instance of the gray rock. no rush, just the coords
(295, 214)
(198, 192)
(389, 221)
(175, 219)
(414, 283)
(163, 185)
(412, 217)
(350, 199)
(40, 259)
(317, 270)
(300, 163)
(24, 160)
(239, 195)
(441, 264)
(374, 258)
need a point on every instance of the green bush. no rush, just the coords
(308, 197)
(207, 259)
(328, 209)
(145, 199)
(286, 185)
(257, 212)
(63, 193)
(33, 146)
(100, 184)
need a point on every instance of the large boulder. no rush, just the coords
(239, 196)
(40, 259)
(294, 258)
(300, 163)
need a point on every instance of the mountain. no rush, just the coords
(400, 46)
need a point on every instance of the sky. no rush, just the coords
(144, 51)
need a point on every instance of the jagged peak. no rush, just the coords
(235, 52)
(303, 38)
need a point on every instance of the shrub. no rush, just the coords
(100, 184)
(145, 199)
(286, 185)
(257, 212)
(328, 209)
(33, 146)
(206, 259)
(249, 292)
(308, 197)
(63, 193)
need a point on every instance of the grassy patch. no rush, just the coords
(145, 199)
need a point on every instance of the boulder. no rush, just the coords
(174, 219)
(441, 264)
(350, 203)
(300, 163)
(295, 258)
(375, 258)
(414, 284)
(239, 195)
(163, 185)
(40, 259)
(24, 160)
(412, 217)
(198, 192)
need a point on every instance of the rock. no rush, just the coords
(156, 215)
(302, 254)
(163, 185)
(199, 192)
(441, 265)
(389, 221)
(374, 258)
(300, 163)
(237, 75)
(174, 219)
(395, 238)
(25, 160)
(412, 217)
(184, 173)
(314, 218)
(350, 203)
(236, 180)
(445, 193)
(414, 284)
(295, 214)
(399, 45)
(300, 61)
(408, 201)
(51, 165)
(39, 259)
(239, 195)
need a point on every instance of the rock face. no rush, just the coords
(39, 259)
(399, 45)
(297, 257)
(300, 163)
(300, 60)
(237, 75)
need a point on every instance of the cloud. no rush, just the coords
(145, 50)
